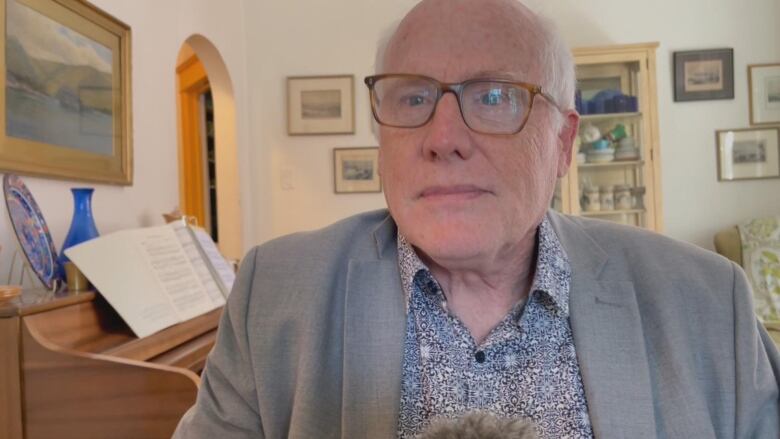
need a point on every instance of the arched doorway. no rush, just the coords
(208, 163)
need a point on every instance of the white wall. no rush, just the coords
(306, 37)
(158, 30)
(696, 205)
(263, 42)
(301, 38)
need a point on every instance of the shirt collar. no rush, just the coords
(552, 276)
(409, 265)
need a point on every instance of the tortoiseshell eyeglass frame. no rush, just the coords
(456, 88)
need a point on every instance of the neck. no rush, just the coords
(481, 295)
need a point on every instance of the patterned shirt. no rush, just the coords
(526, 367)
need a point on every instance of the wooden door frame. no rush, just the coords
(192, 82)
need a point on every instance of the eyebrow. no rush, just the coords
(497, 74)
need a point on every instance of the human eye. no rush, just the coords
(493, 97)
(413, 99)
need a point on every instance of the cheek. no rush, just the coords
(397, 153)
(395, 168)
(530, 162)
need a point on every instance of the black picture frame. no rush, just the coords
(701, 75)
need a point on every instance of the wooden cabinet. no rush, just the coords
(71, 368)
(615, 173)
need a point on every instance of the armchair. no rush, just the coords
(755, 246)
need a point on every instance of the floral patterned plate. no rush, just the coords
(31, 230)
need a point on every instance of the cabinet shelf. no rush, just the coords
(613, 212)
(630, 70)
(613, 164)
(609, 116)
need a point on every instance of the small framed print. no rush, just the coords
(320, 105)
(747, 154)
(356, 170)
(704, 75)
(764, 84)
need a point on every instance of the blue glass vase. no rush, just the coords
(82, 226)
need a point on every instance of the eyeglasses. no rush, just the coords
(488, 106)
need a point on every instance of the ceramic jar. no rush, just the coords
(607, 197)
(590, 199)
(623, 198)
(639, 197)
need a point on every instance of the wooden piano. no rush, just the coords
(71, 368)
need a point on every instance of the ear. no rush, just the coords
(566, 136)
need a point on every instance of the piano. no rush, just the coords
(71, 368)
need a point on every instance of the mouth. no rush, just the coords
(452, 193)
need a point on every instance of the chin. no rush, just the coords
(454, 237)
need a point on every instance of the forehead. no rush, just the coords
(457, 40)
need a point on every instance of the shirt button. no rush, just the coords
(479, 356)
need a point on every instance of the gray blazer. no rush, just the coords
(310, 344)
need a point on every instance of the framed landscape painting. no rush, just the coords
(65, 104)
(356, 170)
(320, 105)
(704, 75)
(764, 83)
(747, 154)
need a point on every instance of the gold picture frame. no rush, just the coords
(764, 86)
(65, 109)
(321, 105)
(748, 153)
(356, 170)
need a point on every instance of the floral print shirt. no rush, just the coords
(526, 367)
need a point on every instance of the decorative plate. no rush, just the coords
(31, 230)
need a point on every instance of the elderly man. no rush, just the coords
(470, 294)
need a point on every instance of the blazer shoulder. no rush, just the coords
(348, 237)
(300, 279)
(644, 252)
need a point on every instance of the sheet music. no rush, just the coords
(223, 269)
(117, 268)
(201, 269)
(147, 276)
(174, 271)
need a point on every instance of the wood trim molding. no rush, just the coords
(10, 380)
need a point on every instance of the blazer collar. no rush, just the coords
(385, 239)
(608, 338)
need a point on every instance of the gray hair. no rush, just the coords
(479, 425)
(557, 64)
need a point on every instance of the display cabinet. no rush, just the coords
(615, 171)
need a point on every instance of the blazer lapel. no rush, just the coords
(610, 349)
(608, 338)
(374, 328)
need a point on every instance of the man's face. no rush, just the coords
(459, 195)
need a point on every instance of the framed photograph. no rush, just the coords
(749, 153)
(356, 170)
(65, 105)
(764, 84)
(320, 105)
(704, 75)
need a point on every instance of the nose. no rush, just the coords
(447, 135)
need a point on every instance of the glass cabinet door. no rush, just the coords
(614, 174)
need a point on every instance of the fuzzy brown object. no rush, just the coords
(479, 425)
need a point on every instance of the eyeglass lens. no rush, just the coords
(487, 106)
